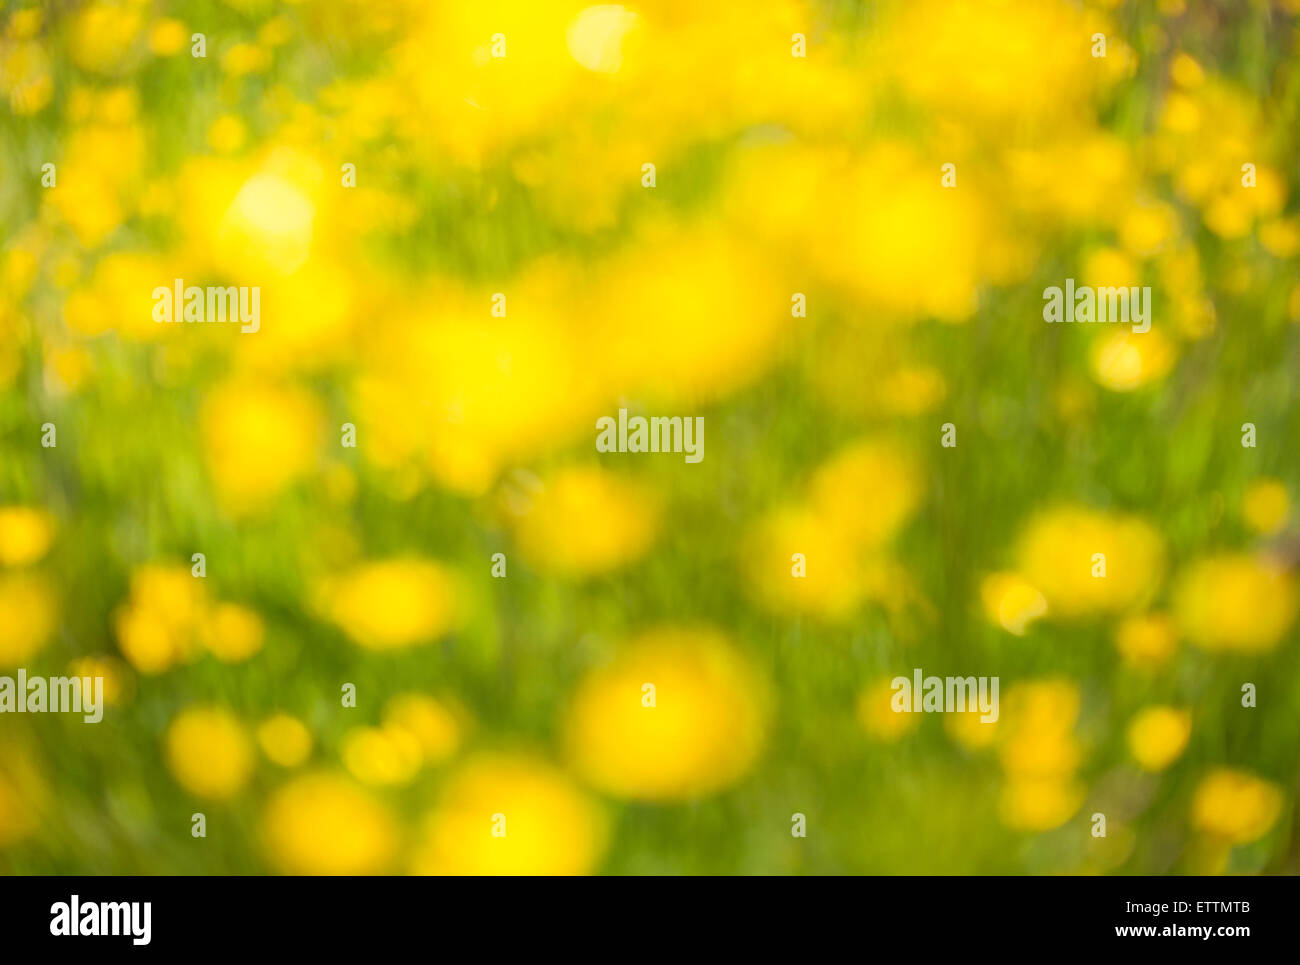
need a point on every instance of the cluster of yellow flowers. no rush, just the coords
(706, 730)
(169, 619)
(558, 117)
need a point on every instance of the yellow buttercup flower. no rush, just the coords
(585, 521)
(803, 560)
(234, 633)
(1042, 706)
(1013, 63)
(1236, 806)
(1236, 602)
(1146, 227)
(1148, 640)
(241, 59)
(1087, 561)
(102, 35)
(284, 739)
(595, 36)
(321, 824)
(822, 557)
(1185, 71)
(1123, 361)
(1039, 803)
(270, 224)
(1039, 754)
(23, 793)
(1011, 601)
(1158, 735)
(208, 752)
(118, 682)
(157, 626)
(1110, 268)
(676, 714)
(1031, 752)
(392, 604)
(1265, 506)
(969, 729)
(436, 727)
(511, 815)
(25, 535)
(258, 440)
(875, 713)
(870, 488)
(712, 302)
(168, 37)
(94, 198)
(27, 617)
(119, 297)
(381, 755)
(26, 80)
(227, 134)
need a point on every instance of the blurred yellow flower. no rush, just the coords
(1011, 601)
(208, 752)
(226, 134)
(1123, 361)
(870, 488)
(26, 81)
(118, 682)
(1158, 735)
(1039, 803)
(1235, 602)
(1265, 507)
(676, 714)
(1087, 561)
(118, 297)
(25, 534)
(814, 558)
(232, 632)
(1029, 752)
(1009, 64)
(284, 739)
(1050, 705)
(23, 793)
(381, 755)
(157, 626)
(94, 198)
(436, 727)
(875, 713)
(102, 35)
(1110, 268)
(1039, 754)
(27, 617)
(1145, 228)
(1281, 238)
(802, 560)
(1236, 806)
(969, 729)
(321, 824)
(258, 440)
(168, 37)
(511, 815)
(1185, 71)
(24, 23)
(595, 36)
(1148, 640)
(585, 521)
(270, 224)
(392, 604)
(241, 59)
(714, 306)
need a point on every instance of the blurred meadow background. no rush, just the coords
(498, 147)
